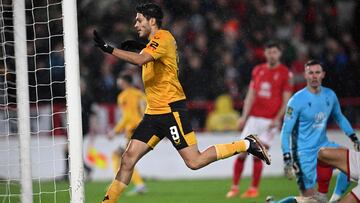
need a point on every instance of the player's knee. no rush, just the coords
(193, 164)
(322, 154)
(128, 161)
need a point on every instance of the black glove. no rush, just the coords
(99, 42)
(132, 45)
(288, 166)
(356, 142)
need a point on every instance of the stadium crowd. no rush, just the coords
(219, 43)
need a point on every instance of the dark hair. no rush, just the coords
(151, 10)
(312, 62)
(272, 44)
(128, 78)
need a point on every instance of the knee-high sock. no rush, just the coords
(257, 170)
(342, 184)
(227, 150)
(114, 191)
(324, 173)
(136, 178)
(238, 169)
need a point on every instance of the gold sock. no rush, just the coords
(114, 191)
(227, 150)
(136, 178)
(116, 161)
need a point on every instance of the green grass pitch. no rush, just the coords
(183, 191)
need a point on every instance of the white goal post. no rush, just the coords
(73, 130)
(73, 100)
(22, 96)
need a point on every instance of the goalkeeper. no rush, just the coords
(348, 161)
(305, 122)
(166, 113)
(132, 103)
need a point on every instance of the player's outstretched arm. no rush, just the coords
(344, 124)
(131, 57)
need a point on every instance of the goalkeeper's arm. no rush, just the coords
(131, 57)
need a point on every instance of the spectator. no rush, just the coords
(224, 117)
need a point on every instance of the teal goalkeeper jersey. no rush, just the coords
(306, 119)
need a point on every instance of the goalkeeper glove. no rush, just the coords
(355, 141)
(288, 166)
(99, 42)
(132, 45)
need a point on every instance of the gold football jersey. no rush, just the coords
(160, 77)
(131, 102)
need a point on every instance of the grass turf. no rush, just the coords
(183, 191)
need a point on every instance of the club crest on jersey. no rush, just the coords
(289, 111)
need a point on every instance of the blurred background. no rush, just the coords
(219, 43)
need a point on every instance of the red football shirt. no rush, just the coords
(269, 85)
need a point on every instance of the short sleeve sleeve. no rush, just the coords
(157, 47)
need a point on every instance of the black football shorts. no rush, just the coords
(174, 125)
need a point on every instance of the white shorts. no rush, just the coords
(353, 161)
(260, 127)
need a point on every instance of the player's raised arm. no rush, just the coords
(128, 56)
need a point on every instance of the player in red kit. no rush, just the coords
(269, 91)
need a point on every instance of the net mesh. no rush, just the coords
(45, 53)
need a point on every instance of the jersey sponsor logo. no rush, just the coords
(319, 120)
(265, 90)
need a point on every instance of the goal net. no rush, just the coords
(40, 121)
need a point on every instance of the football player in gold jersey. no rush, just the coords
(131, 101)
(166, 114)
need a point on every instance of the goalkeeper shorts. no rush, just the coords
(305, 166)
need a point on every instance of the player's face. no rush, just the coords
(314, 75)
(272, 55)
(142, 26)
